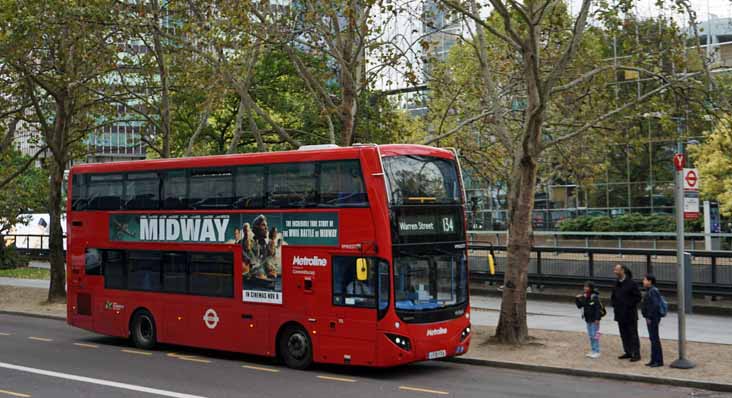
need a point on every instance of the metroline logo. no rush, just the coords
(436, 332)
(309, 261)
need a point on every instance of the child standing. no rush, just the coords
(589, 302)
(653, 308)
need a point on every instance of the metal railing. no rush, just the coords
(33, 245)
(572, 266)
(651, 240)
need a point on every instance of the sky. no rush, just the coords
(703, 8)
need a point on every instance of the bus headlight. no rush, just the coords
(464, 335)
(401, 341)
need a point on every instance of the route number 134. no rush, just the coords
(447, 224)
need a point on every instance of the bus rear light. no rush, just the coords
(464, 335)
(401, 341)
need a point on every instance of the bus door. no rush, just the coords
(352, 322)
(214, 316)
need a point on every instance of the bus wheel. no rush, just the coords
(295, 348)
(142, 330)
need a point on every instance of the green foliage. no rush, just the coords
(713, 158)
(633, 222)
(26, 193)
(9, 258)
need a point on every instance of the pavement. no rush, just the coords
(39, 264)
(560, 316)
(47, 358)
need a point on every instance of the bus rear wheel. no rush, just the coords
(143, 331)
(295, 347)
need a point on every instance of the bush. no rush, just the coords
(633, 222)
(9, 258)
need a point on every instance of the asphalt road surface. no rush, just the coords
(47, 358)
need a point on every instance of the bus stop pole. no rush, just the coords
(681, 362)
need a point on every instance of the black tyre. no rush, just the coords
(142, 330)
(295, 347)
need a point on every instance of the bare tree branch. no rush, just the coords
(457, 128)
(23, 167)
(589, 125)
(478, 20)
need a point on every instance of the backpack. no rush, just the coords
(663, 305)
(603, 311)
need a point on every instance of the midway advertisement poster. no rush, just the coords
(261, 236)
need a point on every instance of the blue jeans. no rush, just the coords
(593, 331)
(656, 350)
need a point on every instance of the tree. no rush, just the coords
(713, 158)
(23, 194)
(62, 53)
(335, 34)
(543, 43)
(142, 82)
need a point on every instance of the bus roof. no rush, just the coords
(336, 153)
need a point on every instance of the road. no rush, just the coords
(47, 358)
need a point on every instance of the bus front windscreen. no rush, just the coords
(429, 280)
(422, 180)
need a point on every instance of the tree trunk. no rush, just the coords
(512, 327)
(202, 123)
(348, 116)
(239, 129)
(164, 81)
(57, 290)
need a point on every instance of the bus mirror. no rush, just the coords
(362, 269)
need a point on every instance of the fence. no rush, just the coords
(28, 244)
(571, 266)
(637, 240)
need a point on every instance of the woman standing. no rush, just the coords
(651, 308)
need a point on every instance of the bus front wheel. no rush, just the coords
(295, 347)
(143, 331)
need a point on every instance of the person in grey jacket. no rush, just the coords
(651, 310)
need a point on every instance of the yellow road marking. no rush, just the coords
(86, 345)
(417, 389)
(40, 339)
(331, 378)
(190, 358)
(4, 334)
(261, 368)
(14, 394)
(137, 352)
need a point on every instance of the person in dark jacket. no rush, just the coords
(589, 302)
(625, 299)
(651, 310)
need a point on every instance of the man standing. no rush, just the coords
(625, 299)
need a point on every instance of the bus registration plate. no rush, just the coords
(437, 354)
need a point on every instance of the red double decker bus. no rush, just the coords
(353, 255)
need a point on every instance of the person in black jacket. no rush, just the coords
(625, 299)
(589, 302)
(651, 310)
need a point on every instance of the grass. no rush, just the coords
(25, 273)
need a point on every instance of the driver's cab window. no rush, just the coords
(348, 288)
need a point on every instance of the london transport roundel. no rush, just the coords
(211, 318)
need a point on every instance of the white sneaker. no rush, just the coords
(595, 355)
(589, 355)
